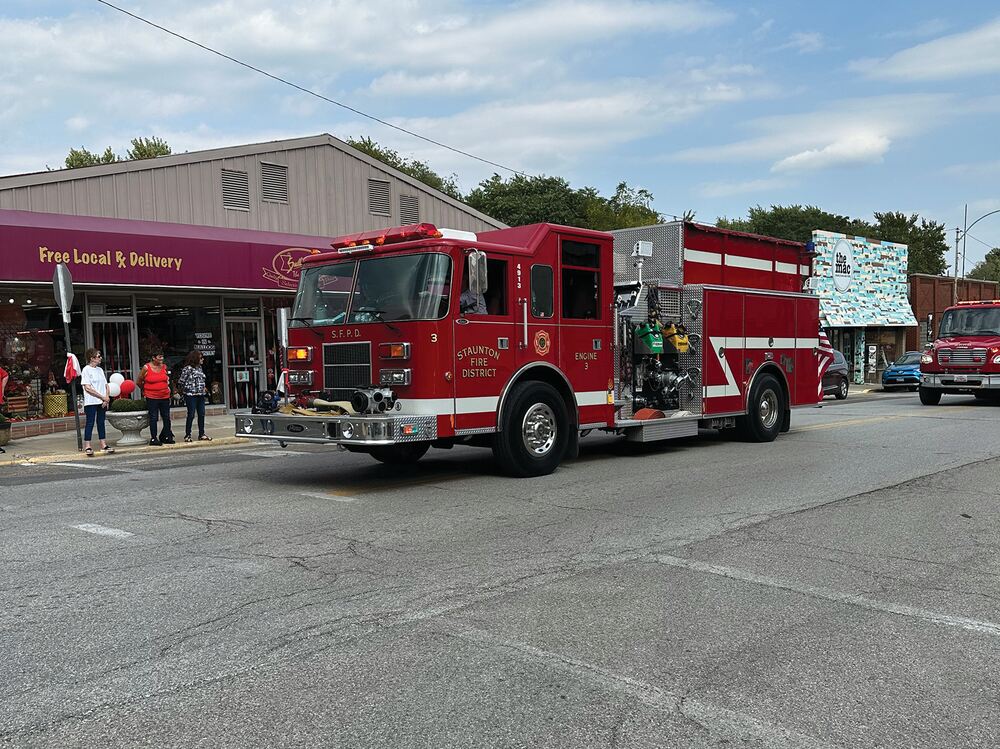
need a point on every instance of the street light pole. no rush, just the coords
(965, 232)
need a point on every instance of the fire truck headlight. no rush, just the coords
(347, 430)
(248, 425)
(996, 359)
(926, 359)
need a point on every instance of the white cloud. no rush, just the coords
(930, 27)
(77, 123)
(728, 189)
(849, 131)
(979, 169)
(969, 53)
(852, 149)
(452, 82)
(805, 42)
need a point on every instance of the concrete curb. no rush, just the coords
(12, 459)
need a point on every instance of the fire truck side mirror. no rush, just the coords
(477, 271)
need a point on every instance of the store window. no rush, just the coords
(180, 324)
(33, 352)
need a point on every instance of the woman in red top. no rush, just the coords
(154, 379)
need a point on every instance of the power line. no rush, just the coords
(984, 244)
(305, 90)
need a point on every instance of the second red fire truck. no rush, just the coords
(522, 339)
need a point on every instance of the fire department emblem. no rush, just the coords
(543, 344)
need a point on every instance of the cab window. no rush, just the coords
(580, 280)
(496, 291)
(542, 301)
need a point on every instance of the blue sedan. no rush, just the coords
(903, 373)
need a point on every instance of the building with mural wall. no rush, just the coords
(864, 306)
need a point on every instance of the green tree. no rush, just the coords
(416, 169)
(794, 222)
(530, 200)
(142, 148)
(926, 240)
(148, 148)
(78, 157)
(629, 206)
(989, 268)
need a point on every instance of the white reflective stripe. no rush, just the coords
(697, 256)
(804, 269)
(730, 388)
(446, 406)
(486, 404)
(786, 268)
(755, 344)
(738, 261)
(592, 398)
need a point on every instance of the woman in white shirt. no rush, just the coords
(95, 401)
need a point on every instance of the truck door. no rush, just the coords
(484, 346)
(585, 354)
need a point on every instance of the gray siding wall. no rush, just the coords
(327, 195)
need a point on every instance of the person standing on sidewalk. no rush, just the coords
(154, 379)
(95, 401)
(192, 385)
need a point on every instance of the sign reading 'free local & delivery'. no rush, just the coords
(118, 258)
(116, 252)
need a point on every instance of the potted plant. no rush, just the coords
(4, 429)
(129, 417)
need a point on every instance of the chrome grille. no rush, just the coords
(968, 356)
(346, 367)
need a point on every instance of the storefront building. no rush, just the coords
(140, 286)
(864, 308)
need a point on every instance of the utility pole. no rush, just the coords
(954, 287)
(965, 232)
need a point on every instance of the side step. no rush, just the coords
(661, 429)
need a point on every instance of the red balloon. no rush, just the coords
(127, 388)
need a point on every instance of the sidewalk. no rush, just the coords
(62, 446)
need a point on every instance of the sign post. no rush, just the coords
(62, 285)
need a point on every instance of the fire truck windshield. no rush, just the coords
(379, 289)
(971, 321)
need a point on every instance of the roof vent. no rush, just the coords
(409, 209)
(273, 182)
(378, 197)
(235, 190)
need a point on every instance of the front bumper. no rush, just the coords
(337, 430)
(897, 379)
(969, 382)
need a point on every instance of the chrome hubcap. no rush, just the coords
(538, 430)
(768, 409)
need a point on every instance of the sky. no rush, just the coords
(713, 107)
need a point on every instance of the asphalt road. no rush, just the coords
(838, 587)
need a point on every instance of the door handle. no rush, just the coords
(524, 319)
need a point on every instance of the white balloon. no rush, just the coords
(114, 389)
(117, 378)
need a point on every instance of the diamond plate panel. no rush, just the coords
(664, 266)
(692, 392)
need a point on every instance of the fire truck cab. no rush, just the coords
(522, 339)
(965, 358)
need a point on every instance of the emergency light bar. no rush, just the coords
(981, 301)
(388, 236)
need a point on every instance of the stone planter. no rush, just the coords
(4, 433)
(130, 424)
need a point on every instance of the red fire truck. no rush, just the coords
(965, 358)
(522, 339)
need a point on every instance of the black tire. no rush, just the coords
(843, 388)
(405, 454)
(534, 431)
(765, 411)
(913, 388)
(930, 396)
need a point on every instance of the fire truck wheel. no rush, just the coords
(533, 431)
(929, 396)
(404, 454)
(765, 410)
